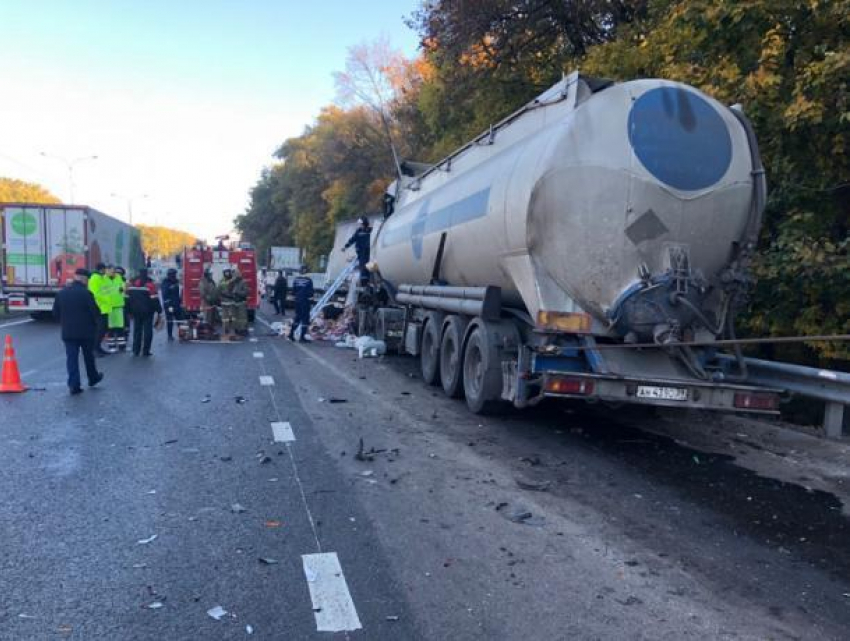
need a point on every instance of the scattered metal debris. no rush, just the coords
(238, 508)
(267, 560)
(217, 612)
(156, 605)
(533, 486)
(150, 539)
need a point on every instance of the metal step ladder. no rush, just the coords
(330, 291)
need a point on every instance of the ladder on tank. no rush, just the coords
(330, 291)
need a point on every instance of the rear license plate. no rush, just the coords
(663, 393)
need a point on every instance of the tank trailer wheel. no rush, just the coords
(451, 357)
(482, 372)
(430, 352)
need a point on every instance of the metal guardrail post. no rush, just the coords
(833, 420)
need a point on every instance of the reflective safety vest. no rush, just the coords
(116, 293)
(100, 287)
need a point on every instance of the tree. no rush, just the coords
(164, 242)
(19, 191)
(491, 56)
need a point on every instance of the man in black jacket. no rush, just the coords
(143, 303)
(362, 239)
(79, 315)
(302, 290)
(279, 294)
(170, 289)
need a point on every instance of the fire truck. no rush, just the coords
(199, 258)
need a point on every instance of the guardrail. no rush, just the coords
(826, 385)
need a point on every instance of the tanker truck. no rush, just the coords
(594, 244)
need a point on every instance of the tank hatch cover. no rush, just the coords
(679, 138)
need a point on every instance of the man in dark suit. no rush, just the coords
(79, 315)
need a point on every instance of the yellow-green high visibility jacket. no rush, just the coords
(116, 295)
(100, 287)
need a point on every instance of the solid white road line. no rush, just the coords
(18, 322)
(258, 354)
(282, 432)
(266, 380)
(332, 604)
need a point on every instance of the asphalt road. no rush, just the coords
(559, 523)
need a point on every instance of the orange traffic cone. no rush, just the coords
(11, 380)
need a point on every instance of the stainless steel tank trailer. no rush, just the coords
(593, 244)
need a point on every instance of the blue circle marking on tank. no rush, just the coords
(680, 138)
(417, 230)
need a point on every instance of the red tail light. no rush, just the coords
(559, 385)
(753, 401)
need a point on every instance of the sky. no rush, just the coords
(182, 101)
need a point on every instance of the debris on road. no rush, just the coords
(226, 459)
(240, 400)
(367, 473)
(26, 616)
(249, 629)
(206, 399)
(156, 605)
(139, 566)
(151, 492)
(533, 486)
(337, 400)
(217, 612)
(272, 523)
(520, 517)
(392, 617)
(170, 441)
(147, 540)
(267, 560)
(265, 459)
(238, 508)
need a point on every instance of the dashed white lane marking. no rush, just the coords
(332, 604)
(266, 380)
(282, 431)
(258, 355)
(17, 322)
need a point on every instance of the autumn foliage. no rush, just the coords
(19, 191)
(163, 242)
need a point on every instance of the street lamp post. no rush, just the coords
(70, 165)
(130, 200)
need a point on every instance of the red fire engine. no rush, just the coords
(241, 256)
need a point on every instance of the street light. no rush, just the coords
(70, 165)
(130, 200)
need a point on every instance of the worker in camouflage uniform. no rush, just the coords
(209, 298)
(240, 298)
(228, 304)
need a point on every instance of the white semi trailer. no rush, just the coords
(594, 244)
(43, 245)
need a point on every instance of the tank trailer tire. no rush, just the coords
(451, 357)
(430, 352)
(482, 372)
